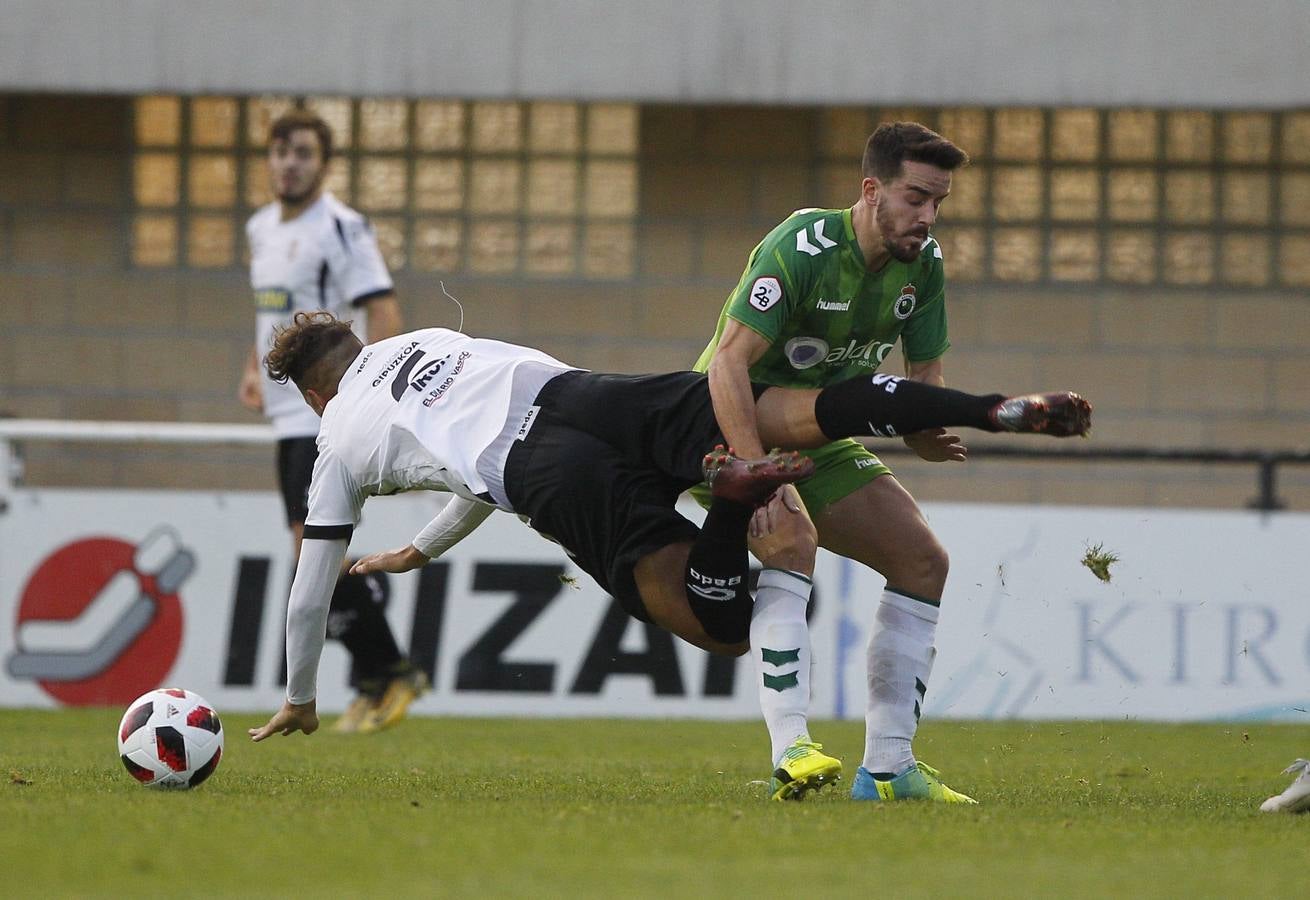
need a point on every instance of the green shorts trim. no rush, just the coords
(840, 469)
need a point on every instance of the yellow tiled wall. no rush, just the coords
(1158, 261)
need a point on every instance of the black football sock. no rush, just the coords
(718, 572)
(890, 406)
(359, 610)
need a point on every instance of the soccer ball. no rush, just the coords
(170, 738)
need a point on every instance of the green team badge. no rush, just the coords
(905, 302)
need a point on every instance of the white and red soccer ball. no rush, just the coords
(170, 738)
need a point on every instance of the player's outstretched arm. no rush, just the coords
(457, 519)
(730, 388)
(317, 571)
(402, 559)
(292, 717)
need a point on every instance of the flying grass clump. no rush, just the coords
(1098, 561)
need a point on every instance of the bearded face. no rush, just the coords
(296, 168)
(907, 208)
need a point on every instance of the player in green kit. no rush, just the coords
(824, 298)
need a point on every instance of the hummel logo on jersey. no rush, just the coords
(765, 292)
(803, 239)
(834, 305)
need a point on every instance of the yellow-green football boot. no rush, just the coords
(921, 782)
(802, 768)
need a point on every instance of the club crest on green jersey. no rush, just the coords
(905, 302)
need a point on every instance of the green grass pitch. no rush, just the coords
(555, 808)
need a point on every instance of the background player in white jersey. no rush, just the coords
(595, 462)
(310, 251)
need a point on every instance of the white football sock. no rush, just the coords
(900, 656)
(780, 647)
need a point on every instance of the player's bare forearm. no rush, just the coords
(730, 388)
(384, 319)
(251, 389)
(734, 407)
(292, 717)
(929, 372)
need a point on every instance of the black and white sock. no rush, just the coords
(717, 573)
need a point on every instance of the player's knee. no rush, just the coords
(937, 560)
(735, 649)
(726, 620)
(923, 566)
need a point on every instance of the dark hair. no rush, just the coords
(310, 348)
(892, 143)
(298, 120)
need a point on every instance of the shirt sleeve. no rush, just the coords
(776, 282)
(307, 612)
(455, 522)
(924, 337)
(358, 267)
(335, 499)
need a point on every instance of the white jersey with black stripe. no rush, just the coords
(428, 410)
(422, 411)
(325, 258)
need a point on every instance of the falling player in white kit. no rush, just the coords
(595, 462)
(310, 251)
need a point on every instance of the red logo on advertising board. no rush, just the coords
(100, 620)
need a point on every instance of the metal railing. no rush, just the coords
(1265, 461)
(16, 431)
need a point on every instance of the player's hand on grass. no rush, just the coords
(402, 559)
(289, 719)
(937, 445)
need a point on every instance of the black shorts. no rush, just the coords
(603, 465)
(295, 469)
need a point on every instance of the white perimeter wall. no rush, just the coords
(1106, 52)
(1207, 615)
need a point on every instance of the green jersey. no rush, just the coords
(827, 318)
